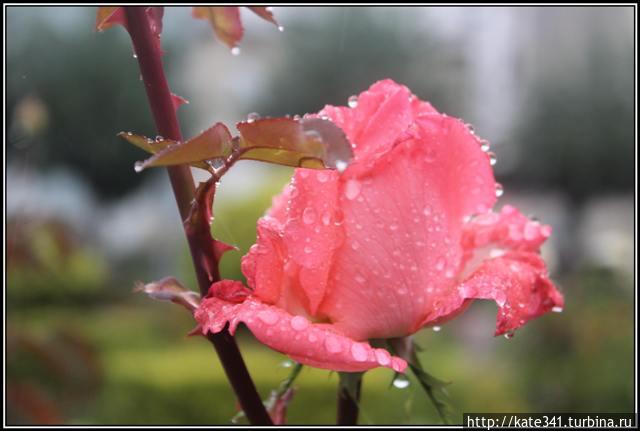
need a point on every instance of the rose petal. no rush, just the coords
(519, 285)
(402, 229)
(383, 112)
(318, 345)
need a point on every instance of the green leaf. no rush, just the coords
(213, 143)
(309, 143)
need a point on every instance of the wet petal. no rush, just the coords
(318, 345)
(382, 113)
(403, 220)
(519, 285)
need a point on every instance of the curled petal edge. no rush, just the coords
(309, 343)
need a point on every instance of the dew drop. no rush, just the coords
(352, 189)
(427, 210)
(484, 145)
(135, 55)
(268, 317)
(253, 116)
(341, 165)
(308, 215)
(138, 167)
(557, 309)
(508, 335)
(353, 101)
(436, 328)
(471, 129)
(355, 245)
(286, 364)
(359, 352)
(499, 190)
(440, 263)
(339, 217)
(235, 50)
(360, 279)
(393, 226)
(280, 28)
(332, 345)
(308, 250)
(299, 323)
(383, 357)
(492, 158)
(401, 382)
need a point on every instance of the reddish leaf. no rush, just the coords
(309, 143)
(225, 21)
(213, 143)
(170, 289)
(108, 16)
(147, 144)
(265, 13)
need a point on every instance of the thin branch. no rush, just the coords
(349, 399)
(161, 103)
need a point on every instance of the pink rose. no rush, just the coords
(403, 238)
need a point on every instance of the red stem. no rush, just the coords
(147, 50)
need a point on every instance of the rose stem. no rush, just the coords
(161, 103)
(347, 406)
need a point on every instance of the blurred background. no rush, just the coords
(551, 88)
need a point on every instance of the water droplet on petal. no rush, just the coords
(427, 210)
(353, 101)
(436, 328)
(355, 245)
(359, 352)
(308, 250)
(235, 50)
(440, 263)
(401, 382)
(299, 323)
(269, 317)
(484, 145)
(383, 357)
(332, 345)
(492, 158)
(138, 167)
(308, 215)
(253, 116)
(499, 190)
(135, 55)
(508, 335)
(341, 165)
(557, 309)
(352, 189)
